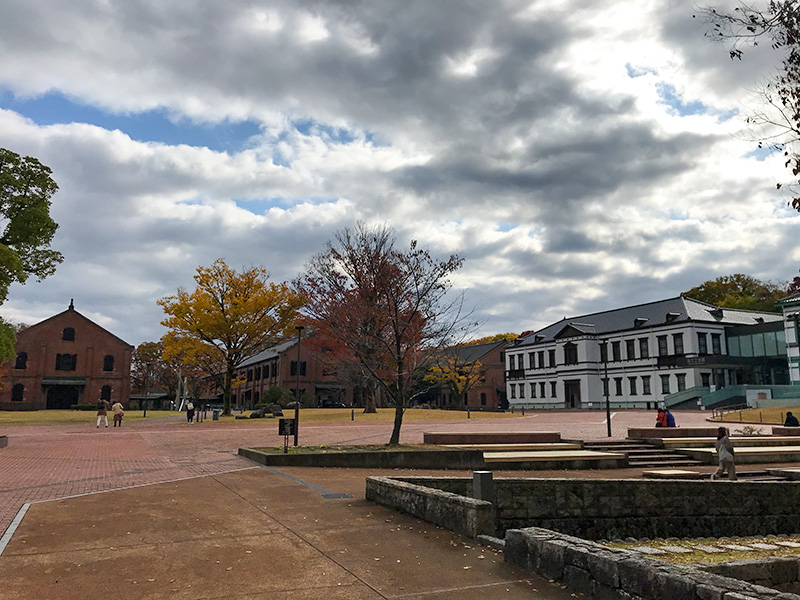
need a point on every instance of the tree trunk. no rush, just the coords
(399, 401)
(370, 401)
(226, 391)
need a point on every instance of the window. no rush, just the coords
(618, 386)
(605, 387)
(541, 359)
(256, 397)
(681, 377)
(108, 362)
(604, 352)
(257, 373)
(664, 384)
(552, 389)
(66, 362)
(552, 358)
(646, 385)
(17, 392)
(663, 349)
(615, 352)
(541, 389)
(293, 367)
(705, 379)
(483, 398)
(533, 390)
(702, 343)
(68, 335)
(521, 390)
(105, 392)
(630, 349)
(22, 361)
(512, 362)
(716, 344)
(677, 343)
(274, 369)
(249, 374)
(644, 348)
(513, 388)
(570, 354)
(632, 385)
(531, 360)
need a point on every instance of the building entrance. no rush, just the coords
(63, 396)
(572, 393)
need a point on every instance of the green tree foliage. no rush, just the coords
(739, 291)
(25, 191)
(776, 124)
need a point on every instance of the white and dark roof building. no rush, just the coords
(642, 354)
(791, 315)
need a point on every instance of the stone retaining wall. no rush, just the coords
(455, 512)
(3, 441)
(780, 573)
(786, 431)
(602, 572)
(637, 433)
(609, 509)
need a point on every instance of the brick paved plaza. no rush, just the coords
(47, 462)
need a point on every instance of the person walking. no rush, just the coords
(724, 448)
(102, 411)
(119, 412)
(190, 411)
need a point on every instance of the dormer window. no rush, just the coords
(68, 335)
(716, 313)
(671, 316)
(639, 321)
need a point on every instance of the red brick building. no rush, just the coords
(278, 366)
(489, 392)
(66, 360)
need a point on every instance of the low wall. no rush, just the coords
(636, 433)
(610, 509)
(3, 441)
(495, 437)
(601, 572)
(410, 459)
(780, 572)
(786, 430)
(455, 512)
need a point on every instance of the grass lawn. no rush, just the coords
(67, 417)
(698, 556)
(307, 415)
(769, 416)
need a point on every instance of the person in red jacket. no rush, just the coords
(661, 419)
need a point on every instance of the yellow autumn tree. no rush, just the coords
(458, 375)
(229, 317)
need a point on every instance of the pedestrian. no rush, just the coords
(791, 421)
(119, 412)
(190, 411)
(724, 448)
(670, 418)
(102, 411)
(661, 418)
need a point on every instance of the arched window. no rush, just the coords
(105, 392)
(108, 363)
(68, 335)
(17, 392)
(22, 361)
(66, 362)
(570, 354)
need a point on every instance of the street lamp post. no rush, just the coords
(297, 385)
(604, 352)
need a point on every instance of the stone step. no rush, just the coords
(665, 463)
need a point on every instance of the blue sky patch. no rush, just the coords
(670, 97)
(148, 126)
(634, 72)
(761, 154)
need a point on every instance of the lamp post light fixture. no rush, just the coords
(604, 356)
(299, 329)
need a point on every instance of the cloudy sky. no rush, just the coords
(579, 155)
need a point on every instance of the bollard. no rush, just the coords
(352, 415)
(760, 418)
(523, 411)
(483, 486)
(468, 412)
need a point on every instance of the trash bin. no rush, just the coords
(215, 415)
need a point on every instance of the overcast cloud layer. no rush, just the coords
(578, 158)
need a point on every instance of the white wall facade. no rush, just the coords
(791, 315)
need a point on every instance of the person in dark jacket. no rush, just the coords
(670, 418)
(791, 421)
